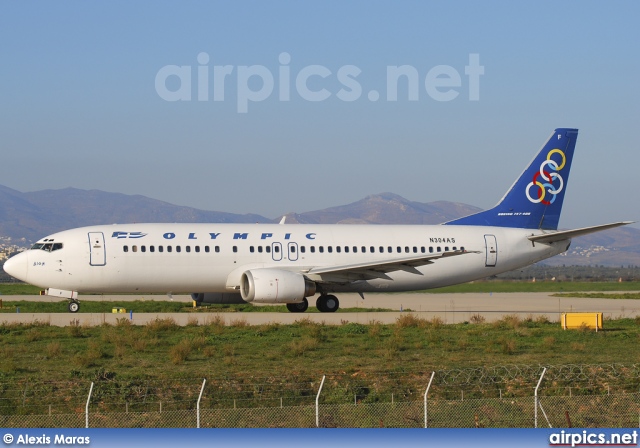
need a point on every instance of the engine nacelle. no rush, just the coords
(275, 286)
(217, 297)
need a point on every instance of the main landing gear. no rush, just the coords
(326, 303)
(73, 306)
(298, 307)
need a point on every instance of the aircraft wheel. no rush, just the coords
(73, 306)
(331, 304)
(298, 307)
(327, 303)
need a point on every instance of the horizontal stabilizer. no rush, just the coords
(567, 234)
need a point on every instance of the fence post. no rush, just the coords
(200, 398)
(86, 409)
(318, 401)
(425, 398)
(535, 413)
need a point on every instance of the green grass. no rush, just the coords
(11, 289)
(601, 295)
(518, 286)
(154, 306)
(398, 356)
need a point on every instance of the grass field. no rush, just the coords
(162, 351)
(156, 306)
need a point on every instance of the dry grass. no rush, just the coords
(477, 319)
(53, 349)
(158, 324)
(299, 347)
(409, 320)
(180, 352)
(240, 322)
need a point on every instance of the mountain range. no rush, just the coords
(26, 217)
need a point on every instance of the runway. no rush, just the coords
(451, 308)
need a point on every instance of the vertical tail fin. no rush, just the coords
(534, 201)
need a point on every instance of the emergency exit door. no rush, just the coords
(98, 256)
(492, 250)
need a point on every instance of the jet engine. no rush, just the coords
(275, 286)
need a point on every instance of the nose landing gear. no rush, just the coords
(73, 306)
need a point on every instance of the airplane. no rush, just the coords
(287, 263)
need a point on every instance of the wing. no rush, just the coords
(566, 234)
(378, 269)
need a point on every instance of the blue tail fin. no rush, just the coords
(534, 201)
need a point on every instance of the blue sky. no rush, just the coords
(79, 104)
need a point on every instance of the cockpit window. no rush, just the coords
(49, 247)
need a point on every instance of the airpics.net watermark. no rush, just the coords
(255, 83)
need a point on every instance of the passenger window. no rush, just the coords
(462, 248)
(364, 249)
(381, 249)
(188, 248)
(178, 249)
(252, 249)
(454, 248)
(169, 248)
(235, 249)
(398, 249)
(259, 249)
(389, 249)
(160, 248)
(217, 249)
(431, 249)
(446, 248)
(422, 249)
(406, 249)
(267, 249)
(313, 249)
(415, 250)
(338, 249)
(198, 249)
(276, 249)
(206, 249)
(329, 249)
(372, 249)
(321, 249)
(439, 249)
(152, 248)
(134, 248)
(346, 249)
(303, 249)
(355, 249)
(143, 248)
(293, 249)
(125, 248)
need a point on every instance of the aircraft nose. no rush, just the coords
(16, 266)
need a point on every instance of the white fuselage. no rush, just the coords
(212, 257)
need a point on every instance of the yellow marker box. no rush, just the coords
(577, 320)
(118, 310)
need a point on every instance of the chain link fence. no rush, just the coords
(491, 397)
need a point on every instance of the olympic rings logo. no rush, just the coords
(544, 180)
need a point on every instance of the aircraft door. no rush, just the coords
(293, 251)
(492, 250)
(98, 255)
(276, 251)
